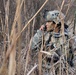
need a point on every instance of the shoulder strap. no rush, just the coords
(49, 39)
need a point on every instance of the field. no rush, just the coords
(19, 21)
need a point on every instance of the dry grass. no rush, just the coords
(11, 51)
(14, 40)
(4, 70)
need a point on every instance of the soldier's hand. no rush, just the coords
(42, 27)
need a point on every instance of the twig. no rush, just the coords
(32, 69)
(32, 18)
(62, 5)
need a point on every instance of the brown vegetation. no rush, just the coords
(19, 20)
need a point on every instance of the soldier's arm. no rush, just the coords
(36, 40)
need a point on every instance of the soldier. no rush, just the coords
(51, 28)
(53, 23)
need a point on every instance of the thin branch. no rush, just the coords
(32, 18)
(32, 69)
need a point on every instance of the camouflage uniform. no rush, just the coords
(48, 15)
(51, 39)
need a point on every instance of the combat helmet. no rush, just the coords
(53, 16)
